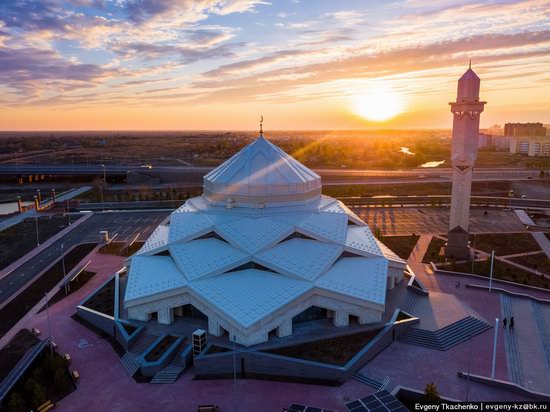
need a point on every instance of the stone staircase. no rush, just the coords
(130, 364)
(447, 337)
(172, 371)
(142, 343)
(543, 330)
(409, 302)
(513, 360)
(367, 381)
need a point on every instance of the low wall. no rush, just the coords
(507, 386)
(263, 364)
(150, 368)
(100, 320)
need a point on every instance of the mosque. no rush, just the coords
(260, 250)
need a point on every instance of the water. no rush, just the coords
(432, 163)
(406, 150)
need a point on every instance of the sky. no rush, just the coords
(302, 64)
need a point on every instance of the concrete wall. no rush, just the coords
(104, 322)
(271, 365)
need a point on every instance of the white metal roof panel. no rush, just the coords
(204, 257)
(339, 207)
(300, 257)
(157, 242)
(390, 254)
(324, 225)
(253, 235)
(363, 278)
(186, 226)
(250, 295)
(150, 275)
(361, 240)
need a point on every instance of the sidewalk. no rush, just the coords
(543, 242)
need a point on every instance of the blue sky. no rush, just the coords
(180, 64)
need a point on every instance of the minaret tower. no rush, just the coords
(466, 111)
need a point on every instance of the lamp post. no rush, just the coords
(39, 196)
(104, 175)
(491, 272)
(53, 196)
(36, 223)
(49, 327)
(234, 374)
(63, 264)
(494, 350)
(102, 204)
(172, 196)
(68, 212)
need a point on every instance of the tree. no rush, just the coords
(61, 379)
(35, 392)
(541, 174)
(431, 394)
(16, 403)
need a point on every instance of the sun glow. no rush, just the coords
(378, 104)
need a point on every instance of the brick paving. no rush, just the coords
(404, 221)
(106, 386)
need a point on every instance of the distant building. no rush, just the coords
(524, 129)
(496, 142)
(530, 146)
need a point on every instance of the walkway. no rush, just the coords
(543, 242)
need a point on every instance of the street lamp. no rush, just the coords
(494, 350)
(49, 327)
(36, 223)
(68, 212)
(63, 263)
(102, 204)
(39, 196)
(104, 175)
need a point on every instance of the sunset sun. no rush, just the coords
(378, 105)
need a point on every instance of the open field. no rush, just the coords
(20, 239)
(331, 149)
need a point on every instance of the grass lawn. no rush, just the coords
(502, 271)
(115, 248)
(104, 300)
(20, 305)
(505, 243)
(20, 239)
(432, 254)
(401, 245)
(538, 262)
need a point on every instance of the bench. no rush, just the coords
(208, 408)
(53, 345)
(67, 358)
(76, 376)
(46, 406)
(36, 331)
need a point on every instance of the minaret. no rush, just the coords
(466, 111)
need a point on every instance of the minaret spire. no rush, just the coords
(261, 125)
(466, 111)
(470, 65)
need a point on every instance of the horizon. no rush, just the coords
(152, 65)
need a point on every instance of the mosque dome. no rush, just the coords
(261, 175)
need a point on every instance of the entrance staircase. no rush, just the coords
(367, 381)
(172, 371)
(447, 337)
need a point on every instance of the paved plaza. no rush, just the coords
(105, 385)
(404, 221)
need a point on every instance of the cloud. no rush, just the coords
(31, 69)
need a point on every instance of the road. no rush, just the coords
(78, 169)
(126, 224)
